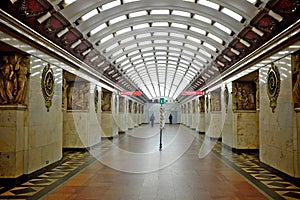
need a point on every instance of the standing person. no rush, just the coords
(152, 118)
(170, 118)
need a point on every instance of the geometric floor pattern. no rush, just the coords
(247, 164)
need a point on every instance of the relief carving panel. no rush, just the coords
(244, 95)
(14, 71)
(296, 79)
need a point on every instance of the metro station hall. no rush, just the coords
(150, 99)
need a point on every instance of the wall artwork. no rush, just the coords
(106, 99)
(273, 85)
(226, 97)
(47, 85)
(296, 78)
(244, 95)
(202, 104)
(130, 106)
(215, 104)
(121, 104)
(77, 95)
(96, 98)
(14, 70)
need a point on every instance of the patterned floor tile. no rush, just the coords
(22, 191)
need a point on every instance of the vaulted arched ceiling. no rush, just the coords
(160, 45)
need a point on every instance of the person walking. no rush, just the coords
(170, 119)
(152, 118)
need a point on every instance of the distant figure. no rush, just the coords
(152, 118)
(170, 118)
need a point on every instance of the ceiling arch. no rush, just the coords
(160, 47)
(188, 34)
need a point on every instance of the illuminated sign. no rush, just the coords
(130, 93)
(192, 93)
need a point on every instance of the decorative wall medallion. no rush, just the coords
(47, 85)
(226, 97)
(273, 85)
(96, 98)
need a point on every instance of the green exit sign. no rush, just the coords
(161, 100)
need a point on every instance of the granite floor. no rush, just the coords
(130, 167)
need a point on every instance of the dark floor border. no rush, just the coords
(9, 183)
(293, 180)
(239, 151)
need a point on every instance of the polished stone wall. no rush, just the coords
(213, 116)
(14, 132)
(279, 136)
(228, 136)
(44, 127)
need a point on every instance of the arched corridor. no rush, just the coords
(88, 89)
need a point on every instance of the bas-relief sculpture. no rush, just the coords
(296, 78)
(77, 95)
(134, 107)
(207, 103)
(96, 98)
(121, 104)
(201, 104)
(226, 97)
(14, 70)
(106, 100)
(244, 95)
(129, 106)
(194, 106)
(215, 104)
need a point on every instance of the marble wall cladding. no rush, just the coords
(228, 132)
(201, 123)
(94, 129)
(121, 122)
(109, 127)
(278, 129)
(246, 130)
(44, 128)
(81, 127)
(75, 129)
(194, 123)
(12, 142)
(297, 150)
(214, 124)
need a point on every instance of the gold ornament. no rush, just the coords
(47, 85)
(273, 85)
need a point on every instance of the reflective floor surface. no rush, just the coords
(130, 167)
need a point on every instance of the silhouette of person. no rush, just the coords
(152, 118)
(170, 118)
